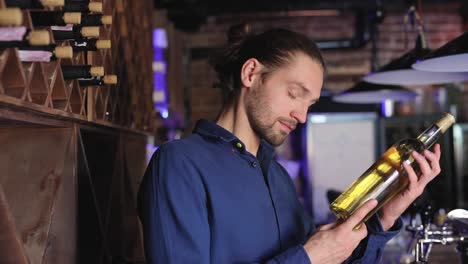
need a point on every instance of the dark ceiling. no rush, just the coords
(212, 7)
(194, 12)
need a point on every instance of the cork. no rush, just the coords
(11, 17)
(446, 122)
(39, 38)
(103, 44)
(72, 17)
(110, 79)
(65, 52)
(90, 32)
(96, 71)
(53, 3)
(95, 7)
(106, 20)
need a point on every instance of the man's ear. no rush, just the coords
(250, 71)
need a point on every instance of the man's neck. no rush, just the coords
(234, 119)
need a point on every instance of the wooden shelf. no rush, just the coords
(74, 156)
(42, 83)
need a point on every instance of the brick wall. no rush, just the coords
(345, 67)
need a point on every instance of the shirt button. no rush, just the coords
(254, 164)
(239, 145)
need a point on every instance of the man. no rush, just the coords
(218, 196)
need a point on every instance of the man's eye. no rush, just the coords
(293, 96)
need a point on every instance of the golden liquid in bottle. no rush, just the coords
(382, 181)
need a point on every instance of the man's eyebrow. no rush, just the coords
(305, 91)
(302, 86)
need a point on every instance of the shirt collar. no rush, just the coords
(207, 128)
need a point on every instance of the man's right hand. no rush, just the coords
(335, 242)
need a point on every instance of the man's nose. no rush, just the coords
(300, 115)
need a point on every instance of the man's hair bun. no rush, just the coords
(238, 33)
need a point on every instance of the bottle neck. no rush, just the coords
(430, 136)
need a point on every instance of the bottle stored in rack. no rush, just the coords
(98, 80)
(81, 71)
(91, 44)
(74, 32)
(11, 37)
(54, 18)
(34, 4)
(45, 53)
(83, 6)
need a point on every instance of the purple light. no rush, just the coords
(159, 38)
(160, 93)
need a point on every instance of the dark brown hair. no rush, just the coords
(273, 48)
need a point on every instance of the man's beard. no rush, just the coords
(259, 114)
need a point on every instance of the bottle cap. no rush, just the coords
(110, 79)
(11, 17)
(39, 38)
(53, 3)
(63, 52)
(446, 122)
(95, 7)
(106, 20)
(103, 44)
(96, 71)
(72, 18)
(90, 32)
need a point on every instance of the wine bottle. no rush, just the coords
(11, 17)
(54, 18)
(74, 32)
(98, 80)
(387, 177)
(83, 6)
(34, 4)
(22, 36)
(45, 53)
(91, 44)
(95, 20)
(81, 71)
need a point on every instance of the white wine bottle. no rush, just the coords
(11, 17)
(12, 37)
(387, 177)
(44, 53)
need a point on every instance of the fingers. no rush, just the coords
(412, 177)
(359, 215)
(429, 164)
(434, 159)
(327, 227)
(423, 164)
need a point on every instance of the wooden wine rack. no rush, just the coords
(72, 157)
(128, 104)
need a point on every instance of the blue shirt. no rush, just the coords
(205, 199)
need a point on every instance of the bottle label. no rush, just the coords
(68, 27)
(12, 33)
(34, 55)
(392, 156)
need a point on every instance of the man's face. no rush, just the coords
(276, 104)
